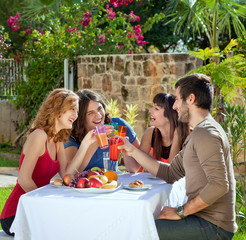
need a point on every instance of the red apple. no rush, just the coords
(67, 179)
(95, 183)
(83, 183)
(93, 173)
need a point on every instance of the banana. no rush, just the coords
(103, 178)
(110, 184)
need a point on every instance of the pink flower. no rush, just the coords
(87, 19)
(102, 39)
(28, 30)
(139, 37)
(131, 35)
(133, 17)
(117, 3)
(129, 52)
(13, 22)
(71, 30)
(41, 30)
(17, 59)
(120, 46)
(111, 14)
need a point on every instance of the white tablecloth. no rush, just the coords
(58, 213)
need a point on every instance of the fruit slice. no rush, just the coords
(111, 175)
(103, 178)
(110, 184)
(96, 169)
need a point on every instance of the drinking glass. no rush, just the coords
(115, 130)
(114, 152)
(108, 164)
(122, 131)
(100, 132)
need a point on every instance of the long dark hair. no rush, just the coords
(85, 96)
(166, 101)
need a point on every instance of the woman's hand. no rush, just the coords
(89, 138)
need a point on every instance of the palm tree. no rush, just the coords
(212, 17)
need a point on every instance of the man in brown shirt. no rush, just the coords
(205, 162)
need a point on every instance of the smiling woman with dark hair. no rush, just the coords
(92, 113)
(166, 135)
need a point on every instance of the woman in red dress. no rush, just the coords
(43, 153)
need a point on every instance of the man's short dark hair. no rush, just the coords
(200, 85)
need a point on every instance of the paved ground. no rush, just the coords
(8, 176)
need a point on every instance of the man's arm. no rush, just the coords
(191, 207)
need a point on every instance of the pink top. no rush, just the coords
(45, 169)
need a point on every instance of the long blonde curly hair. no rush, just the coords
(58, 102)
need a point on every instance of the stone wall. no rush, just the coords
(9, 120)
(133, 79)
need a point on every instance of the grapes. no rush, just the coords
(77, 177)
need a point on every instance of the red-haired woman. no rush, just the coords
(43, 153)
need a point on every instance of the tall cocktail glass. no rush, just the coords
(114, 152)
(100, 132)
(122, 131)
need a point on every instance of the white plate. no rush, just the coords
(96, 190)
(63, 186)
(90, 190)
(144, 188)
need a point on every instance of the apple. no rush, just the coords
(93, 173)
(67, 179)
(95, 183)
(83, 183)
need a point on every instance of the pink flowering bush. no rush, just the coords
(82, 29)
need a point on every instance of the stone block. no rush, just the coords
(87, 59)
(172, 68)
(100, 68)
(109, 64)
(166, 58)
(137, 69)
(82, 70)
(189, 67)
(140, 57)
(158, 58)
(87, 83)
(131, 81)
(95, 59)
(180, 69)
(103, 60)
(144, 93)
(149, 69)
(155, 89)
(91, 70)
(141, 81)
(180, 57)
(123, 79)
(127, 70)
(107, 83)
(119, 64)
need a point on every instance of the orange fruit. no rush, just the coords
(111, 175)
